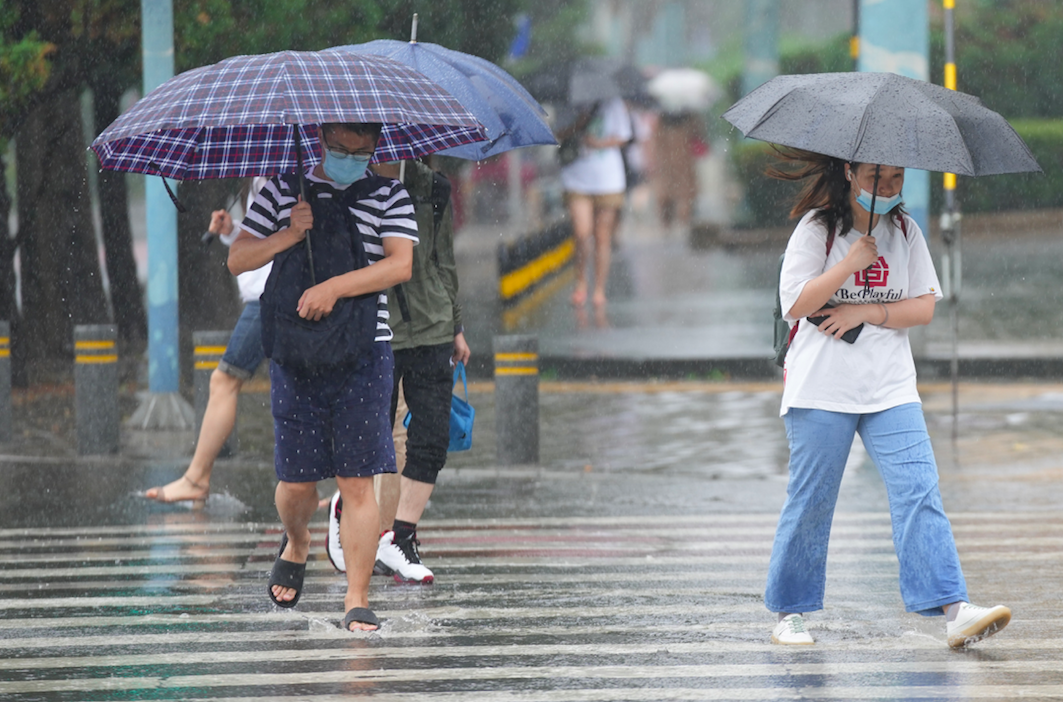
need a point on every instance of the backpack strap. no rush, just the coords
(830, 245)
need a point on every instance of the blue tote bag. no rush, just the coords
(461, 415)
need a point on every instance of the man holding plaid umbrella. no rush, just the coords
(331, 418)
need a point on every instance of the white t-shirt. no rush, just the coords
(250, 283)
(600, 171)
(877, 372)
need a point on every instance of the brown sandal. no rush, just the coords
(197, 502)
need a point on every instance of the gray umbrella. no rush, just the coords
(883, 118)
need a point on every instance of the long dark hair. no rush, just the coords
(827, 190)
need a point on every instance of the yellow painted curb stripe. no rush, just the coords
(516, 356)
(206, 365)
(516, 371)
(96, 359)
(5, 340)
(209, 350)
(4, 353)
(516, 282)
(93, 345)
(512, 315)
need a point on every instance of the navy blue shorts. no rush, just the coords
(333, 423)
(243, 355)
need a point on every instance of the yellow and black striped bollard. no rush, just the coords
(517, 399)
(209, 347)
(7, 413)
(96, 388)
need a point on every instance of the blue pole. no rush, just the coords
(761, 43)
(895, 38)
(163, 373)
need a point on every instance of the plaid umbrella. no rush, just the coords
(244, 116)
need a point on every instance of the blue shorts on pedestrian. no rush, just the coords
(333, 421)
(243, 355)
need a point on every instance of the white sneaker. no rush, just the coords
(791, 632)
(332, 536)
(402, 560)
(973, 623)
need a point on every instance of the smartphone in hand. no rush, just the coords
(849, 336)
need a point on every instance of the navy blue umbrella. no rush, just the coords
(511, 117)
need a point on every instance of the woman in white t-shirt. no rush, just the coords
(594, 187)
(835, 388)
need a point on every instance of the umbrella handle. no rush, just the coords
(870, 222)
(302, 194)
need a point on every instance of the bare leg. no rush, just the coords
(218, 422)
(358, 536)
(604, 221)
(581, 211)
(386, 485)
(296, 504)
(413, 498)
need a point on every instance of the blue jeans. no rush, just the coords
(898, 443)
(243, 354)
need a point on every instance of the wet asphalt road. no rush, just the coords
(628, 565)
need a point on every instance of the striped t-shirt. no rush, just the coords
(387, 211)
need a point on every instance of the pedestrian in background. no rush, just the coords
(836, 386)
(428, 340)
(243, 355)
(679, 142)
(594, 187)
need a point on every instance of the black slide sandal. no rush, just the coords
(286, 574)
(362, 616)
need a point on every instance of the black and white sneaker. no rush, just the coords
(332, 536)
(401, 559)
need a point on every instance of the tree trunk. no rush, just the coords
(61, 282)
(8, 303)
(207, 290)
(127, 297)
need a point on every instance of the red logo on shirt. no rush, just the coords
(875, 276)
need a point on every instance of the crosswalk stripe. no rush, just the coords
(523, 609)
(489, 673)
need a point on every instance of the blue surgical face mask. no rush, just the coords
(882, 204)
(344, 169)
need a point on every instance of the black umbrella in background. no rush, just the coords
(586, 81)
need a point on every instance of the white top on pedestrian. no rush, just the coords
(251, 283)
(877, 372)
(601, 171)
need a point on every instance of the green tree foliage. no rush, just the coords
(52, 51)
(24, 68)
(1009, 54)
